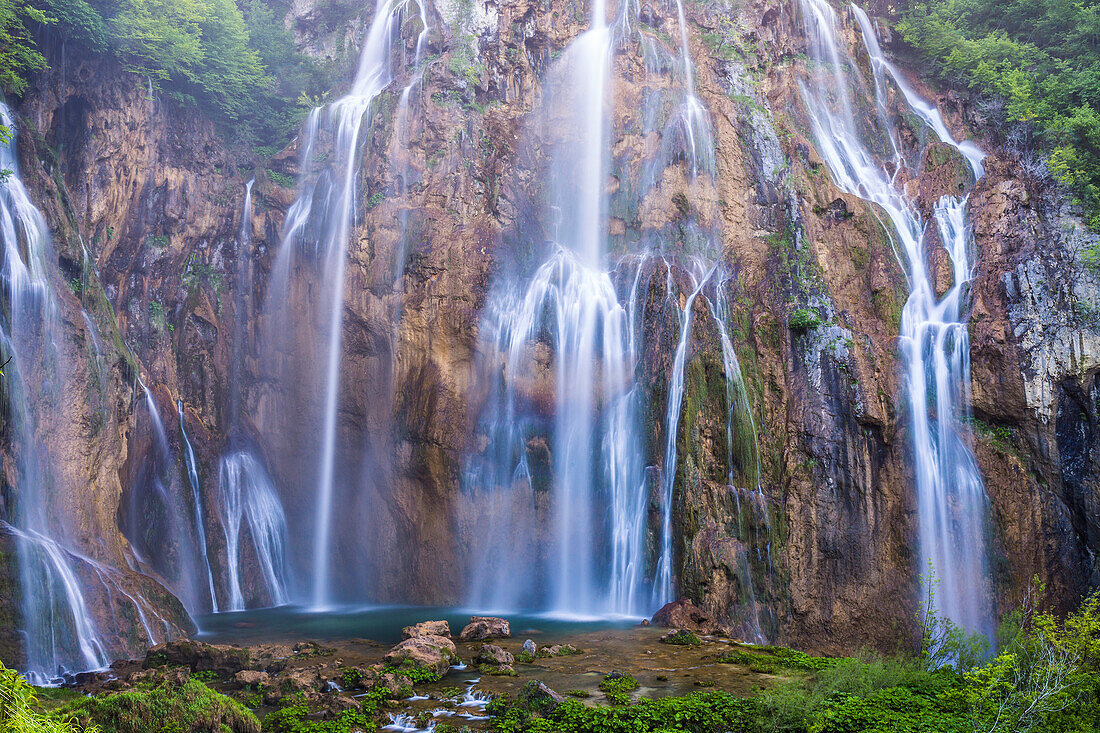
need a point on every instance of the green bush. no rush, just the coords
(803, 319)
(699, 712)
(1038, 61)
(242, 68)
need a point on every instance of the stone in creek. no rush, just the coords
(558, 650)
(394, 682)
(221, 659)
(426, 628)
(482, 628)
(529, 648)
(435, 653)
(683, 614)
(494, 656)
(537, 697)
(251, 678)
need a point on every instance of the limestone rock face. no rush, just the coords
(804, 534)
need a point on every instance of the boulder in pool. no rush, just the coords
(482, 628)
(426, 628)
(683, 614)
(537, 697)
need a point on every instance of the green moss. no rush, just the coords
(167, 708)
(682, 637)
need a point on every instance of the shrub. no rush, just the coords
(18, 713)
(803, 319)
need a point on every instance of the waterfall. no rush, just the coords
(951, 499)
(319, 225)
(247, 493)
(196, 495)
(662, 589)
(562, 479)
(245, 489)
(60, 632)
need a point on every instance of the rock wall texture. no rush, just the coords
(819, 555)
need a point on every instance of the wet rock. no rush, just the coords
(529, 647)
(302, 679)
(221, 659)
(681, 637)
(394, 682)
(494, 656)
(558, 650)
(426, 628)
(434, 653)
(251, 678)
(537, 697)
(482, 628)
(683, 614)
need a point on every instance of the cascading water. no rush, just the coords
(247, 493)
(245, 490)
(319, 225)
(196, 496)
(950, 494)
(566, 451)
(59, 631)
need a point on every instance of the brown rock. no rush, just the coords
(435, 653)
(494, 656)
(251, 678)
(537, 696)
(426, 628)
(481, 628)
(683, 614)
(219, 658)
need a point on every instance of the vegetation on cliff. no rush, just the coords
(242, 68)
(1036, 64)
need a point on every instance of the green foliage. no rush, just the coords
(18, 709)
(298, 718)
(700, 712)
(18, 55)
(418, 675)
(350, 678)
(943, 644)
(1039, 60)
(682, 637)
(281, 179)
(241, 67)
(167, 708)
(803, 319)
(1046, 676)
(618, 686)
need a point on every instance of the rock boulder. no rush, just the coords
(482, 628)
